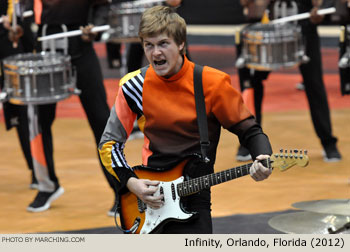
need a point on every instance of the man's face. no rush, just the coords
(163, 54)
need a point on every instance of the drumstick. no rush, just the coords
(14, 16)
(302, 16)
(73, 33)
(139, 2)
(25, 14)
(14, 22)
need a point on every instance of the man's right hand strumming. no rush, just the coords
(144, 189)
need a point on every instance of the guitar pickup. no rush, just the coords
(161, 191)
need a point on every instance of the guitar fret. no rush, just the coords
(206, 181)
(225, 175)
(199, 187)
(238, 172)
(246, 170)
(228, 175)
(194, 185)
(202, 182)
(222, 177)
(190, 188)
(185, 189)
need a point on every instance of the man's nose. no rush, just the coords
(157, 50)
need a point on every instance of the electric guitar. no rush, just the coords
(137, 218)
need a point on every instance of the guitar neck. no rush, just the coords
(197, 184)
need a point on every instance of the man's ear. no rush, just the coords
(181, 46)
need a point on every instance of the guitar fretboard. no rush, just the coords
(197, 184)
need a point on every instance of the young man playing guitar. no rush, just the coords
(162, 98)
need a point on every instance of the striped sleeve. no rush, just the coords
(111, 147)
(132, 90)
(113, 159)
(128, 106)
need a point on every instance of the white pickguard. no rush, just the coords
(171, 208)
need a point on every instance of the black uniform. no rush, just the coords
(75, 14)
(343, 14)
(15, 115)
(313, 79)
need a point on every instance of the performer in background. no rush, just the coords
(161, 96)
(250, 80)
(343, 14)
(14, 41)
(52, 16)
(312, 78)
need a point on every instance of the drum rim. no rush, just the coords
(22, 64)
(42, 53)
(130, 7)
(39, 100)
(284, 33)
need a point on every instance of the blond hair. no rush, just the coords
(163, 19)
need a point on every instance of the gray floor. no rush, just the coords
(234, 224)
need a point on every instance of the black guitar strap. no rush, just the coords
(201, 112)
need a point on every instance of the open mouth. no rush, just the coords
(159, 62)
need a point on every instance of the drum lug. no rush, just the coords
(305, 59)
(240, 62)
(3, 97)
(75, 91)
(344, 61)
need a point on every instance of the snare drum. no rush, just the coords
(38, 78)
(272, 46)
(124, 20)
